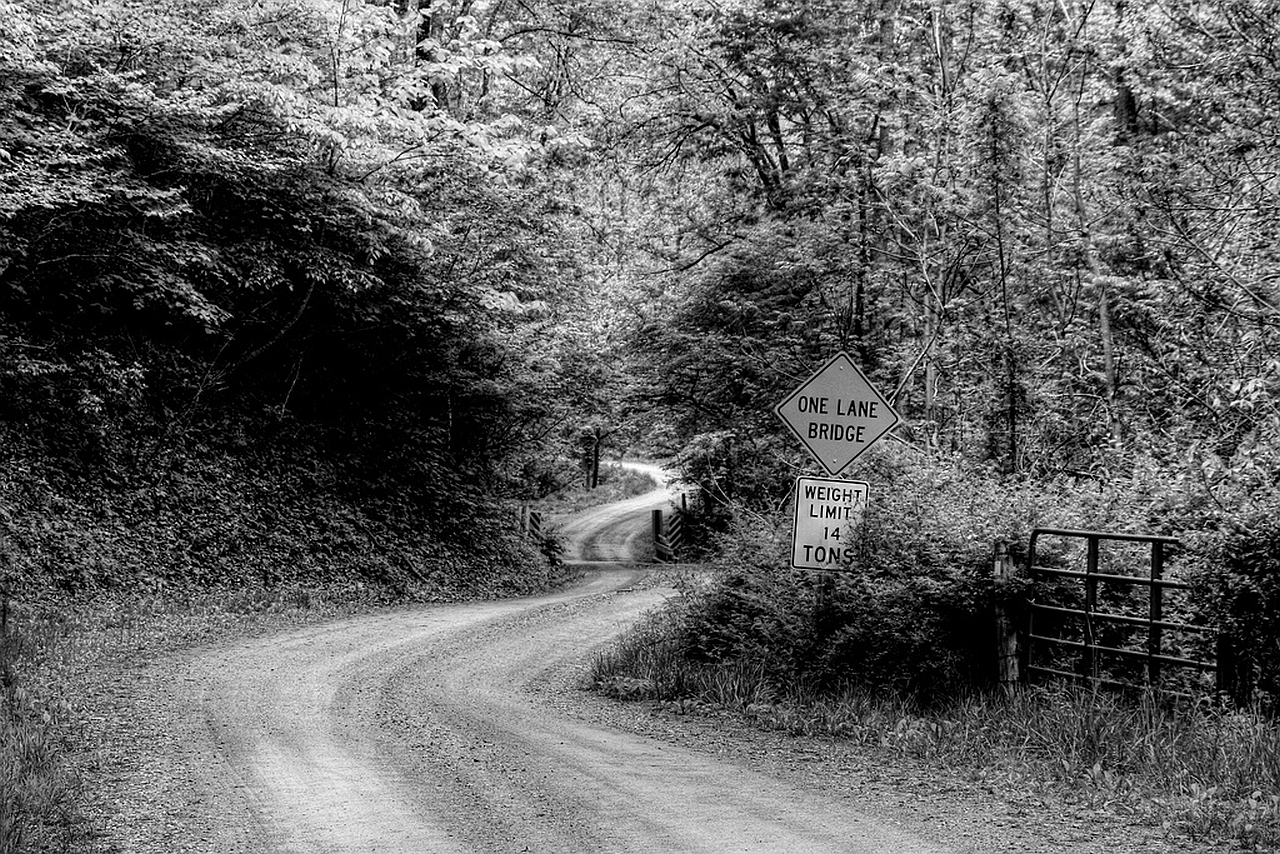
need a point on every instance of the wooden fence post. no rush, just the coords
(1008, 671)
(1236, 676)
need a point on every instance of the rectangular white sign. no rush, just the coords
(825, 512)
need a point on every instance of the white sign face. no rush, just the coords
(826, 511)
(837, 414)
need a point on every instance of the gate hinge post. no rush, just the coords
(1003, 571)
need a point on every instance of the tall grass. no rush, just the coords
(38, 789)
(1203, 770)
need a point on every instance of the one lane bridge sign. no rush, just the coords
(837, 414)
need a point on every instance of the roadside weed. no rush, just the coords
(38, 788)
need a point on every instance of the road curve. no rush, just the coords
(622, 531)
(451, 729)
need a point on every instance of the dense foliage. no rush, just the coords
(1239, 589)
(303, 290)
(390, 263)
(1045, 230)
(267, 281)
(1045, 225)
(918, 614)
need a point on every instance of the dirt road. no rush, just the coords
(453, 728)
(433, 731)
(464, 728)
(621, 531)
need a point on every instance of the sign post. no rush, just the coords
(837, 415)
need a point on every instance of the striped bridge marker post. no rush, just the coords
(661, 545)
(668, 535)
(531, 522)
(675, 533)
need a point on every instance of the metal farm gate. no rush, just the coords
(1121, 625)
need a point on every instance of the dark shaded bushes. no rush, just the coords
(223, 361)
(915, 614)
(218, 521)
(1237, 573)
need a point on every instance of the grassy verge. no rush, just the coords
(38, 792)
(1209, 773)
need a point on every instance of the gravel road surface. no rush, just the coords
(427, 732)
(462, 728)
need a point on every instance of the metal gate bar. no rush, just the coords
(1129, 618)
(1123, 579)
(1153, 622)
(1132, 653)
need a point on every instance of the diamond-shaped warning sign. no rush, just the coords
(837, 414)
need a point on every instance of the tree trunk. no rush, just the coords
(1108, 360)
(932, 323)
(595, 460)
(1094, 267)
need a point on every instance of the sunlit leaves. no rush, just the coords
(1058, 222)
